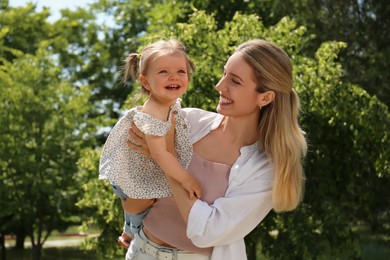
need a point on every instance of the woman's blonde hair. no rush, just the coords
(279, 132)
(136, 64)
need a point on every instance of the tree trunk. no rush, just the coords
(2, 246)
(20, 240)
(20, 233)
(36, 252)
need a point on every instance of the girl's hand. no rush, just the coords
(193, 187)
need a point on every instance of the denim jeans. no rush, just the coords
(133, 222)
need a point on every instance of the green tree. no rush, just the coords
(347, 132)
(22, 29)
(43, 127)
(361, 24)
(347, 128)
(78, 42)
(73, 46)
(338, 117)
(358, 23)
(102, 205)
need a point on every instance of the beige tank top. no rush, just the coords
(164, 219)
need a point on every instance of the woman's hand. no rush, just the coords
(139, 143)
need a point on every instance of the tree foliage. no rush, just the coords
(362, 25)
(341, 121)
(101, 205)
(43, 122)
(60, 85)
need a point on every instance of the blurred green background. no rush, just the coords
(60, 93)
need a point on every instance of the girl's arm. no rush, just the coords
(183, 202)
(182, 199)
(158, 149)
(171, 166)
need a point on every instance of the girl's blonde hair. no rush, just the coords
(136, 64)
(279, 131)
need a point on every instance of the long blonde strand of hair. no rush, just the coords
(279, 132)
(285, 143)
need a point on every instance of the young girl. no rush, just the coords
(163, 69)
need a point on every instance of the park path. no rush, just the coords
(70, 241)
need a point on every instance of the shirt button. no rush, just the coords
(175, 112)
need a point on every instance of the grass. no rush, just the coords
(68, 252)
(65, 253)
(372, 247)
(60, 253)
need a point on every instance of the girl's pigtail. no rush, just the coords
(131, 67)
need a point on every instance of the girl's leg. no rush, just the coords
(136, 221)
(133, 222)
(127, 235)
(136, 206)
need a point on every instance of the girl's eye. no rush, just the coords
(162, 71)
(182, 72)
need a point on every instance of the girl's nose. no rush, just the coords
(173, 77)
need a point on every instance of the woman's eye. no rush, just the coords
(235, 81)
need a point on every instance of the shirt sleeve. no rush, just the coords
(201, 122)
(232, 217)
(151, 125)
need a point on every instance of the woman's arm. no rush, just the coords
(231, 217)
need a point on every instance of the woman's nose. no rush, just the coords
(220, 85)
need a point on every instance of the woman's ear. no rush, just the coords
(266, 98)
(144, 81)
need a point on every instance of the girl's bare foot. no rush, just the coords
(124, 240)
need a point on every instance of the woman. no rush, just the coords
(247, 158)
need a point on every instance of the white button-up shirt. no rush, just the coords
(248, 199)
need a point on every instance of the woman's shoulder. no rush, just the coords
(255, 162)
(194, 111)
(198, 115)
(201, 122)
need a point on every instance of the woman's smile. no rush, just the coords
(224, 101)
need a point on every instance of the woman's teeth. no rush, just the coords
(225, 100)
